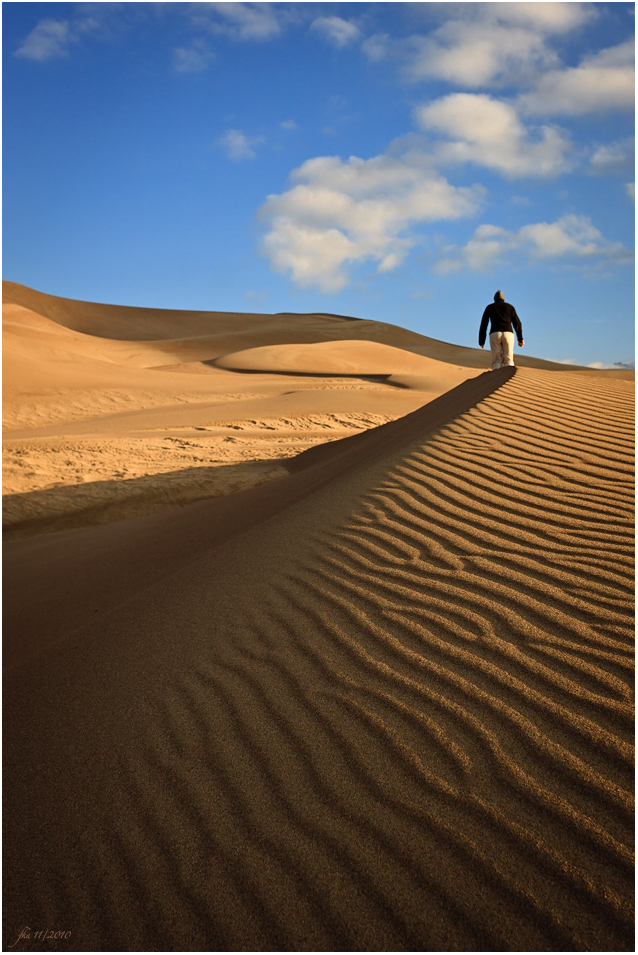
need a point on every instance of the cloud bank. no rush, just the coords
(573, 237)
(341, 213)
(604, 81)
(490, 44)
(488, 132)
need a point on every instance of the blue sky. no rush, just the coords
(393, 161)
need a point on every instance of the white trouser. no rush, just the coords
(502, 345)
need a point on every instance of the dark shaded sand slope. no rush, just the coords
(395, 715)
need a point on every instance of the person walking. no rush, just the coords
(501, 317)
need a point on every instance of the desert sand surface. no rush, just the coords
(380, 700)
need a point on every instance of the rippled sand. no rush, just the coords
(383, 703)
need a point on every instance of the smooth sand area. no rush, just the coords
(381, 700)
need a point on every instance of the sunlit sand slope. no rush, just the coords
(342, 357)
(395, 716)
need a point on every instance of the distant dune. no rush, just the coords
(212, 334)
(369, 687)
(113, 412)
(341, 357)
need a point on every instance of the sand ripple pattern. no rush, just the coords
(417, 733)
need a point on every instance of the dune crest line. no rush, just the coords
(394, 714)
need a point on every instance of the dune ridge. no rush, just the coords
(413, 731)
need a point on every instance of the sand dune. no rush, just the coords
(342, 357)
(381, 703)
(113, 412)
(214, 334)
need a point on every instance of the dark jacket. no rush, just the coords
(502, 316)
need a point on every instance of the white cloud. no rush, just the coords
(613, 158)
(337, 31)
(571, 237)
(492, 43)
(602, 82)
(339, 213)
(288, 124)
(244, 21)
(53, 38)
(192, 59)
(471, 54)
(237, 145)
(630, 189)
(49, 39)
(548, 17)
(488, 132)
(484, 251)
(377, 47)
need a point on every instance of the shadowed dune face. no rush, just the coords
(395, 716)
